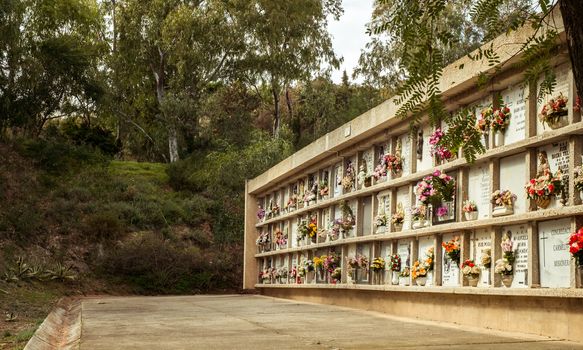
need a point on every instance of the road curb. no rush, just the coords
(61, 330)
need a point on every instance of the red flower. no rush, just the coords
(540, 192)
(574, 249)
(551, 188)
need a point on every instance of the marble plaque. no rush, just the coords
(557, 158)
(338, 174)
(563, 84)
(479, 189)
(425, 243)
(450, 271)
(404, 198)
(406, 153)
(554, 256)
(519, 235)
(426, 162)
(367, 215)
(480, 242)
(513, 177)
(294, 233)
(515, 99)
(368, 158)
(404, 251)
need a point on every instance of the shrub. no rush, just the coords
(103, 225)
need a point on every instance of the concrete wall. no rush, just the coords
(558, 317)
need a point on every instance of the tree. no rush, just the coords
(49, 61)
(168, 54)
(287, 42)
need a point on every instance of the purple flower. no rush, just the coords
(441, 211)
(436, 172)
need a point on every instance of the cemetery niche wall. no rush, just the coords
(373, 208)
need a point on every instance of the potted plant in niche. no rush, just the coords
(377, 266)
(470, 210)
(544, 187)
(504, 266)
(398, 218)
(452, 249)
(503, 202)
(576, 250)
(554, 112)
(471, 272)
(395, 265)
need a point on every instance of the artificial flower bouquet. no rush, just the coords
(452, 249)
(470, 269)
(418, 270)
(503, 198)
(307, 229)
(439, 151)
(377, 265)
(381, 220)
(394, 163)
(486, 258)
(555, 109)
(323, 188)
(357, 262)
(576, 246)
(504, 266)
(395, 263)
(500, 119)
(578, 178)
(544, 187)
(470, 210)
(280, 239)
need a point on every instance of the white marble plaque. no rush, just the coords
(450, 271)
(479, 189)
(366, 216)
(426, 162)
(404, 251)
(404, 198)
(425, 243)
(519, 235)
(554, 256)
(368, 158)
(562, 79)
(514, 97)
(338, 174)
(406, 153)
(294, 233)
(557, 158)
(482, 241)
(513, 177)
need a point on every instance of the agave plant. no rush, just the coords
(61, 272)
(19, 271)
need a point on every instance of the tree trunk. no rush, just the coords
(276, 113)
(288, 100)
(173, 143)
(572, 12)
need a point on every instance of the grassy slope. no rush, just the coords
(78, 217)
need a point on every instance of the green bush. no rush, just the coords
(104, 225)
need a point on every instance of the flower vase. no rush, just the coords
(507, 280)
(559, 122)
(441, 218)
(397, 174)
(321, 274)
(395, 279)
(471, 216)
(543, 202)
(421, 281)
(399, 227)
(311, 277)
(579, 276)
(418, 224)
(499, 138)
(377, 277)
(267, 281)
(350, 277)
(473, 281)
(403, 281)
(502, 210)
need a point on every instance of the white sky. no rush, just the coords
(348, 34)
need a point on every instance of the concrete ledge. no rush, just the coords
(497, 291)
(551, 317)
(61, 330)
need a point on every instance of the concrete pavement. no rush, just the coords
(256, 322)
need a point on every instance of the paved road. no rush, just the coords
(255, 322)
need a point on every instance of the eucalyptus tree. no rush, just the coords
(168, 53)
(50, 55)
(287, 42)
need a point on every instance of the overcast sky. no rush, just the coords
(348, 34)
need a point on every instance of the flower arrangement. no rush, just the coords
(381, 220)
(266, 274)
(323, 188)
(419, 213)
(263, 239)
(470, 269)
(394, 163)
(291, 203)
(554, 109)
(578, 178)
(378, 264)
(452, 249)
(429, 259)
(294, 273)
(544, 186)
(331, 262)
(437, 149)
(336, 275)
(442, 212)
(486, 258)
(359, 261)
(418, 270)
(347, 181)
(280, 239)
(485, 121)
(346, 223)
(435, 188)
(504, 265)
(380, 170)
(309, 265)
(576, 246)
(281, 273)
(306, 229)
(405, 273)
(319, 262)
(469, 207)
(503, 198)
(500, 119)
(395, 263)
(260, 213)
(398, 217)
